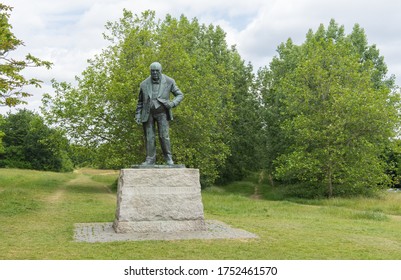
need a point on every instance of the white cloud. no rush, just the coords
(277, 21)
(68, 32)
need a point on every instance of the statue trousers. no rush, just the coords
(158, 116)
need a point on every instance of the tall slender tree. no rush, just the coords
(331, 112)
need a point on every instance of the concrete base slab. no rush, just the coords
(104, 232)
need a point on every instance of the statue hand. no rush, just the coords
(138, 119)
(169, 105)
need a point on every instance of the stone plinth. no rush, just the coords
(159, 200)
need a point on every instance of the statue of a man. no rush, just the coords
(154, 106)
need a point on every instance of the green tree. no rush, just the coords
(99, 112)
(82, 156)
(29, 143)
(331, 112)
(246, 141)
(1, 136)
(12, 82)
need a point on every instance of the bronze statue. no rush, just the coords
(154, 106)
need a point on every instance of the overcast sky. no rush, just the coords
(68, 32)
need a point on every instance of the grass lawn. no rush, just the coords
(38, 211)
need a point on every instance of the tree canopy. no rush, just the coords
(12, 82)
(99, 112)
(29, 143)
(331, 111)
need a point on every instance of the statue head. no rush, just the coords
(155, 71)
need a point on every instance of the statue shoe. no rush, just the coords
(148, 162)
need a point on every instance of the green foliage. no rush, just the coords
(81, 156)
(29, 143)
(393, 158)
(11, 79)
(246, 140)
(1, 143)
(331, 112)
(1, 136)
(99, 112)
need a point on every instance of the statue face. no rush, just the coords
(155, 70)
(155, 73)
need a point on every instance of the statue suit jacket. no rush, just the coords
(167, 86)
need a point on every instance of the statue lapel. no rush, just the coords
(149, 87)
(162, 86)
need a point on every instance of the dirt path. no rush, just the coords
(81, 179)
(57, 196)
